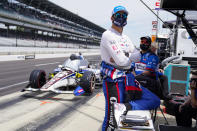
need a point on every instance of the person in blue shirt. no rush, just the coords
(188, 110)
(81, 56)
(148, 65)
(147, 69)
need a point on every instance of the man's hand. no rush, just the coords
(160, 70)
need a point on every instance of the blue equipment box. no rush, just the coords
(178, 78)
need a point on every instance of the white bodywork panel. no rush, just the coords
(63, 78)
(185, 45)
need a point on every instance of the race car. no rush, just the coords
(74, 72)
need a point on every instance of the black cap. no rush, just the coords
(147, 38)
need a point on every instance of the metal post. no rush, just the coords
(157, 25)
(175, 35)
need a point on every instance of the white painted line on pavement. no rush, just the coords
(47, 64)
(6, 87)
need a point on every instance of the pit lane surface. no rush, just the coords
(24, 111)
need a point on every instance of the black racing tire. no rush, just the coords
(31, 75)
(37, 79)
(87, 82)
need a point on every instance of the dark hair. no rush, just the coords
(194, 72)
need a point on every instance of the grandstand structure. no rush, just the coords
(41, 23)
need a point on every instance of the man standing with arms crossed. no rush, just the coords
(119, 85)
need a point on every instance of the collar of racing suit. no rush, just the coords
(115, 31)
(148, 51)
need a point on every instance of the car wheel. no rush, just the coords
(37, 78)
(87, 82)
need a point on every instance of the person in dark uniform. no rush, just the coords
(188, 110)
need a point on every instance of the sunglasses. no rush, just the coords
(119, 15)
(193, 79)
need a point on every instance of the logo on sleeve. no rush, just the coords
(114, 47)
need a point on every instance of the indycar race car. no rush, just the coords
(75, 72)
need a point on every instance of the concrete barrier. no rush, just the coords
(24, 53)
(12, 57)
(42, 56)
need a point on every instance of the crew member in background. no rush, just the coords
(188, 110)
(119, 85)
(146, 69)
(81, 56)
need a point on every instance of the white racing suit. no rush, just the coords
(117, 53)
